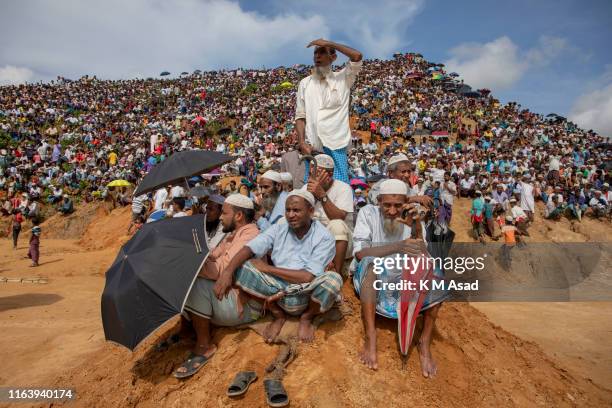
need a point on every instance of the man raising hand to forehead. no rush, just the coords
(322, 106)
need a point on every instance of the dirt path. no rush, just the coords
(52, 335)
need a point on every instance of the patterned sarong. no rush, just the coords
(387, 301)
(323, 289)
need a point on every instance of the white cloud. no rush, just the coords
(122, 39)
(375, 27)
(593, 109)
(500, 63)
(12, 75)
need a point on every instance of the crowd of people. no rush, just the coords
(389, 146)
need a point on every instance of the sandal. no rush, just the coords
(241, 383)
(193, 364)
(276, 396)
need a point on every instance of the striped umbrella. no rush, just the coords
(409, 306)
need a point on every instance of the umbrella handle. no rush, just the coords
(312, 163)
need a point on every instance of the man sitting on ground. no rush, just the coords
(598, 204)
(399, 168)
(384, 226)
(272, 200)
(66, 207)
(333, 207)
(202, 305)
(296, 280)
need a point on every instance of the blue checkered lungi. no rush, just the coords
(341, 167)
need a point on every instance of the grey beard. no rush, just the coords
(321, 71)
(391, 227)
(269, 202)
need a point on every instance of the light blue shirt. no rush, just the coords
(312, 253)
(277, 213)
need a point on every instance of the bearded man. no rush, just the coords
(322, 106)
(381, 231)
(272, 200)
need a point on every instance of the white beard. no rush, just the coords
(322, 71)
(391, 227)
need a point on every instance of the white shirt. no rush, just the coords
(518, 212)
(447, 194)
(341, 195)
(527, 201)
(325, 106)
(160, 198)
(177, 191)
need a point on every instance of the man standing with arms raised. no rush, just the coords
(322, 106)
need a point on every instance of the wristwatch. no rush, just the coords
(324, 199)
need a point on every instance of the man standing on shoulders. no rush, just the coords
(322, 106)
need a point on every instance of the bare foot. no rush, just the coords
(306, 330)
(428, 365)
(368, 354)
(273, 329)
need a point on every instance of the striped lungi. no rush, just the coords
(323, 289)
(341, 167)
(387, 300)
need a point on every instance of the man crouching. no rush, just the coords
(382, 231)
(296, 281)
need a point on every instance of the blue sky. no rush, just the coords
(550, 56)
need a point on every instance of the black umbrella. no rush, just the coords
(179, 166)
(439, 244)
(164, 73)
(199, 191)
(151, 277)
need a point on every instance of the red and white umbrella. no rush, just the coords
(199, 120)
(409, 307)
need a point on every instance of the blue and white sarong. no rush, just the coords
(341, 167)
(323, 289)
(387, 301)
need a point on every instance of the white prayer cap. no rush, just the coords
(286, 177)
(398, 158)
(306, 195)
(272, 175)
(325, 161)
(478, 192)
(509, 218)
(240, 200)
(513, 200)
(393, 186)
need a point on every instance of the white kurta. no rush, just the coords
(324, 104)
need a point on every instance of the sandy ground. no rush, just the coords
(516, 354)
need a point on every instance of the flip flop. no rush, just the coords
(164, 345)
(190, 365)
(241, 383)
(276, 396)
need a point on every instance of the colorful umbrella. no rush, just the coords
(119, 183)
(199, 120)
(286, 84)
(409, 307)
